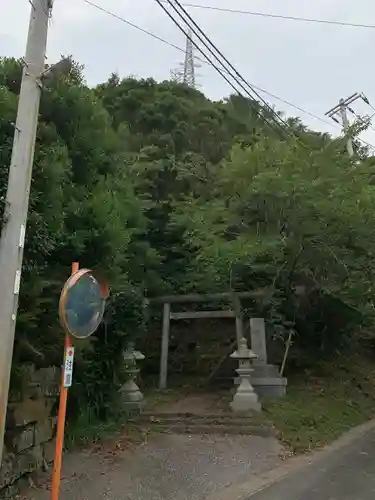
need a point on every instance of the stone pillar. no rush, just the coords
(258, 340)
(265, 378)
(245, 399)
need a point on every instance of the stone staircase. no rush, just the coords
(193, 423)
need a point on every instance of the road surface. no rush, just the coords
(344, 474)
(166, 467)
(172, 467)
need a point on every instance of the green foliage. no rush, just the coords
(281, 215)
(303, 209)
(166, 191)
(83, 206)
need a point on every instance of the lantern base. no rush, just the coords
(131, 396)
(245, 398)
(245, 402)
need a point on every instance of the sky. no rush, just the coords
(309, 65)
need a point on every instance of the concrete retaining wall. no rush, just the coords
(30, 427)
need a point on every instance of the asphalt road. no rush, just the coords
(346, 474)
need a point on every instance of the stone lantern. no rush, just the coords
(245, 399)
(132, 398)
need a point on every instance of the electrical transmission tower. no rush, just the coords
(189, 68)
(186, 73)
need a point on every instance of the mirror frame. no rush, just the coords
(104, 290)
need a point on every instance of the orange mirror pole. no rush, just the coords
(56, 474)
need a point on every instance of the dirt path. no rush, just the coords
(167, 467)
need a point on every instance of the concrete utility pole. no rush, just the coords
(346, 125)
(17, 197)
(341, 109)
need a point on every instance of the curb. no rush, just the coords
(260, 482)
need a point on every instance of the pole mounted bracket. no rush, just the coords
(63, 66)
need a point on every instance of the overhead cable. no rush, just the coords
(205, 61)
(235, 78)
(279, 16)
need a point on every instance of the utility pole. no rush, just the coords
(341, 109)
(17, 196)
(346, 125)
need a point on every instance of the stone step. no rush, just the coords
(189, 417)
(260, 371)
(219, 429)
(182, 423)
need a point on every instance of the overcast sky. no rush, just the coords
(310, 65)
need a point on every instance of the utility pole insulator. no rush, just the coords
(341, 109)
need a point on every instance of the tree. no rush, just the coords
(281, 215)
(168, 191)
(83, 207)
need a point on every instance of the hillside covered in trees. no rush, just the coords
(167, 192)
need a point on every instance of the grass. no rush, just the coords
(157, 398)
(87, 431)
(318, 409)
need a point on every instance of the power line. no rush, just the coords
(176, 47)
(317, 117)
(122, 19)
(362, 119)
(212, 63)
(227, 61)
(170, 44)
(366, 101)
(279, 16)
(206, 60)
(208, 46)
(288, 103)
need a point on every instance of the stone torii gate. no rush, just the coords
(266, 377)
(234, 312)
